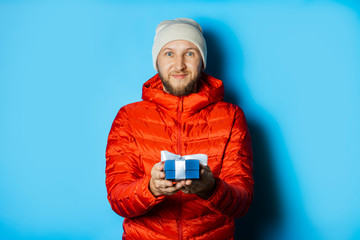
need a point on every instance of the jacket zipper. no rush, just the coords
(180, 109)
(179, 113)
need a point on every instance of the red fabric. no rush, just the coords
(197, 123)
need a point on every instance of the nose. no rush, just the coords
(179, 64)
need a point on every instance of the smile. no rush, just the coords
(179, 76)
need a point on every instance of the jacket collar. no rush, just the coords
(210, 90)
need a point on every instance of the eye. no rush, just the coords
(190, 54)
(169, 54)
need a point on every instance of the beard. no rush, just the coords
(180, 91)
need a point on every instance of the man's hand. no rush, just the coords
(204, 187)
(159, 186)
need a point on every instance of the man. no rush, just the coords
(182, 112)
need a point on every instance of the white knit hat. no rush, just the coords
(178, 29)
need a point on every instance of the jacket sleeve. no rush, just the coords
(126, 182)
(234, 186)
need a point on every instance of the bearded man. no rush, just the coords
(182, 112)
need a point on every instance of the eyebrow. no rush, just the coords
(190, 48)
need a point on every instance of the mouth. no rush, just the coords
(179, 75)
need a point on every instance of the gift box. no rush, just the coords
(182, 169)
(178, 167)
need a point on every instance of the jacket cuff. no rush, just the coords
(147, 193)
(218, 196)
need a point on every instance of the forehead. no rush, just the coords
(180, 45)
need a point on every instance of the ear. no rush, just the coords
(157, 65)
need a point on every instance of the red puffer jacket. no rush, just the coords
(197, 123)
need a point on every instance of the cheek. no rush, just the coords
(163, 66)
(197, 65)
(196, 68)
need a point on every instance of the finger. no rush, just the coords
(159, 166)
(184, 190)
(160, 184)
(171, 190)
(188, 182)
(165, 183)
(180, 184)
(205, 167)
(158, 175)
(156, 168)
(204, 172)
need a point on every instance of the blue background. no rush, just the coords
(66, 67)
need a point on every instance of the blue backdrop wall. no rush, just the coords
(66, 67)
